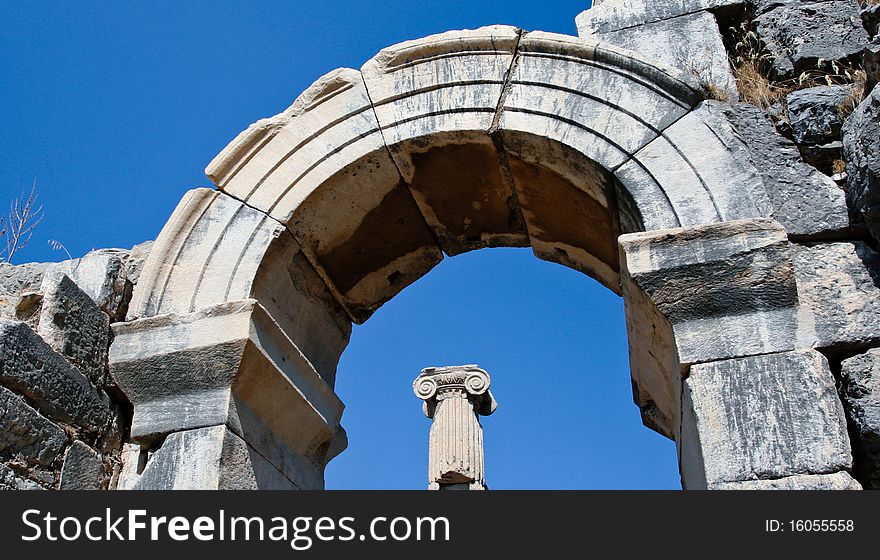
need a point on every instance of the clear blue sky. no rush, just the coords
(115, 108)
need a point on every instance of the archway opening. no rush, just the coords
(555, 344)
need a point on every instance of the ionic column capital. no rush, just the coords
(435, 384)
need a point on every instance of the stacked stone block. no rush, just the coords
(750, 275)
(61, 420)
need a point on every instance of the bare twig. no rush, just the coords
(25, 214)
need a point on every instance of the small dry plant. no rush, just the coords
(16, 229)
(751, 63)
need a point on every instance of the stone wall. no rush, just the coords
(809, 119)
(63, 420)
(753, 306)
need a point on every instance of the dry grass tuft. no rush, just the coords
(855, 96)
(755, 88)
(838, 166)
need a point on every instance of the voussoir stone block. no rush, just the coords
(696, 162)
(701, 294)
(32, 368)
(808, 203)
(229, 364)
(760, 417)
(212, 458)
(436, 99)
(189, 269)
(860, 391)
(412, 82)
(25, 433)
(593, 97)
(371, 248)
(74, 326)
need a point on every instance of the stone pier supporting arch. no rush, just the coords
(492, 137)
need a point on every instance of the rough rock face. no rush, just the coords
(861, 396)
(861, 148)
(58, 427)
(26, 435)
(808, 203)
(871, 19)
(9, 481)
(74, 326)
(815, 113)
(871, 63)
(83, 469)
(799, 34)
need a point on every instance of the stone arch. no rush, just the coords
(453, 142)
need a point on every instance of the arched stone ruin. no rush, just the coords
(746, 291)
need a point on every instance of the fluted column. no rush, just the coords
(455, 396)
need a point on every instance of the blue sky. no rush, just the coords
(115, 108)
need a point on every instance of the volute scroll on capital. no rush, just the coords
(437, 383)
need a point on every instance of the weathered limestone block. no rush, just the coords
(20, 290)
(9, 481)
(103, 275)
(25, 434)
(690, 42)
(461, 183)
(83, 468)
(135, 262)
(814, 113)
(330, 138)
(290, 290)
(613, 15)
(212, 458)
(697, 160)
(836, 481)
(74, 326)
(568, 205)
(31, 367)
(436, 99)
(701, 294)
(189, 269)
(861, 149)
(277, 162)
(414, 84)
(808, 203)
(593, 97)
(454, 397)
(860, 391)
(230, 364)
(800, 34)
(839, 295)
(759, 417)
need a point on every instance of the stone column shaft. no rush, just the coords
(454, 398)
